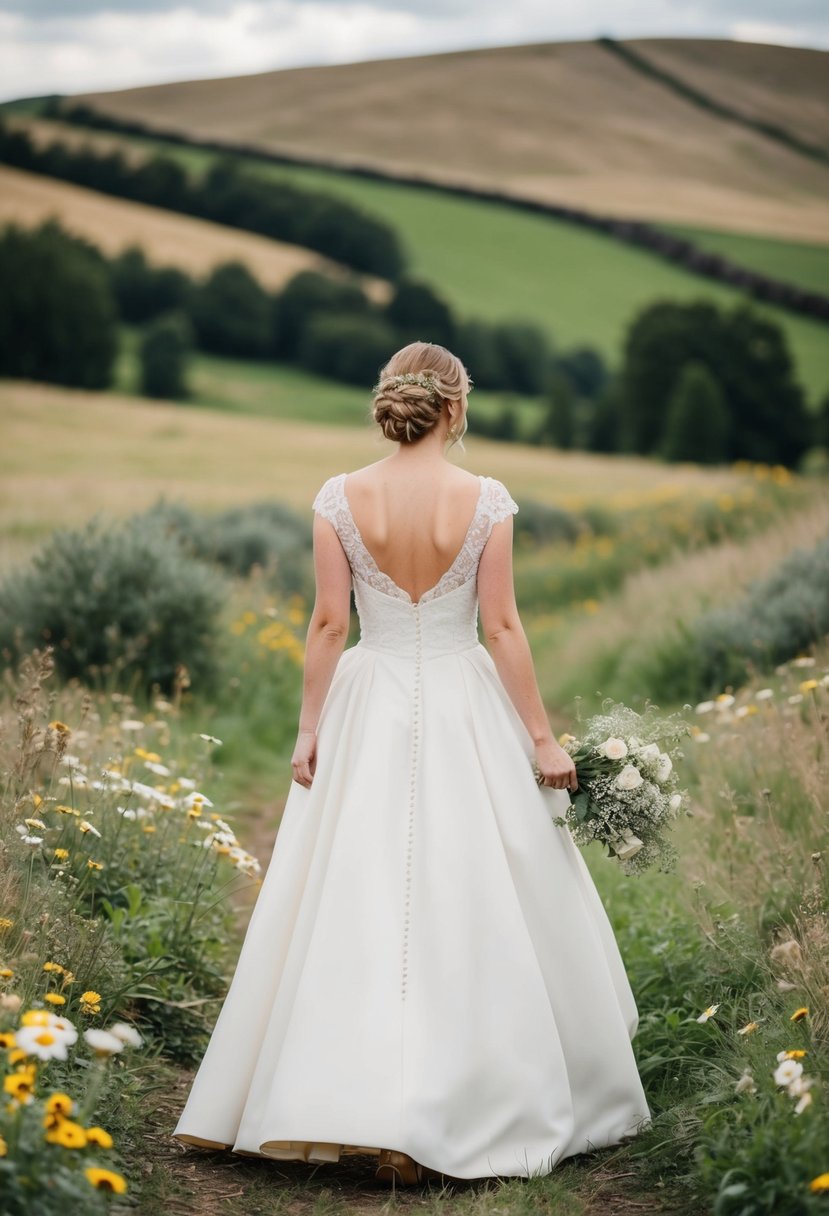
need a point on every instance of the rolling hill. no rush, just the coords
(568, 123)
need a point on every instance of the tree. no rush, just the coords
(559, 421)
(526, 356)
(58, 318)
(477, 348)
(346, 347)
(231, 312)
(143, 291)
(697, 423)
(748, 356)
(821, 425)
(420, 315)
(165, 352)
(305, 296)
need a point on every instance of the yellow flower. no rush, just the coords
(90, 997)
(799, 1014)
(53, 967)
(819, 1184)
(59, 726)
(54, 998)
(4, 1148)
(749, 1028)
(20, 1084)
(796, 1053)
(6, 1040)
(6, 973)
(804, 686)
(60, 1104)
(97, 1135)
(61, 854)
(68, 978)
(148, 827)
(67, 1134)
(106, 1180)
(94, 865)
(5, 923)
(708, 1013)
(16, 1056)
(66, 810)
(36, 1017)
(36, 800)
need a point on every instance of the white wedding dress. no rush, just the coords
(429, 966)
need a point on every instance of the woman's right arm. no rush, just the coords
(507, 643)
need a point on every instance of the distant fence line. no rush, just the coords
(640, 63)
(680, 251)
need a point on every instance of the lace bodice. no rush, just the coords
(494, 504)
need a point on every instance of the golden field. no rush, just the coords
(579, 127)
(167, 238)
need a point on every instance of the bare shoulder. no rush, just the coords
(377, 473)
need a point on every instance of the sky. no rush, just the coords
(72, 46)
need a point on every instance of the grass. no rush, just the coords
(792, 261)
(66, 454)
(495, 262)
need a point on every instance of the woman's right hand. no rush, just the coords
(555, 766)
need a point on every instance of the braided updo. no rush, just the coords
(413, 387)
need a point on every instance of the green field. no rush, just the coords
(495, 262)
(792, 261)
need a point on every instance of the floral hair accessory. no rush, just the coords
(424, 379)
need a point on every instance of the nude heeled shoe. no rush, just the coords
(398, 1167)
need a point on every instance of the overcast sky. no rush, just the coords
(68, 46)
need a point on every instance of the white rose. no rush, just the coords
(649, 752)
(626, 846)
(663, 767)
(614, 749)
(629, 779)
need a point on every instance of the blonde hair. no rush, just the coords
(412, 388)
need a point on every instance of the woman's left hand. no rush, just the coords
(304, 759)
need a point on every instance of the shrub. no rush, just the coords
(346, 347)
(697, 424)
(420, 315)
(541, 523)
(121, 596)
(781, 615)
(59, 322)
(307, 295)
(165, 351)
(143, 291)
(231, 312)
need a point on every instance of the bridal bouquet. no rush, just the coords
(628, 793)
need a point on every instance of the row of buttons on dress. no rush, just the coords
(410, 835)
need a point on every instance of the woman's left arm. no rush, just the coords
(324, 642)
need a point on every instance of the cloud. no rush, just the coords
(72, 46)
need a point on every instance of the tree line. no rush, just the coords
(695, 382)
(226, 194)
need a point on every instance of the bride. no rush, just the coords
(429, 976)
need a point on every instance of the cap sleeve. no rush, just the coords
(499, 503)
(326, 502)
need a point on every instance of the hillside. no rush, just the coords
(168, 238)
(561, 122)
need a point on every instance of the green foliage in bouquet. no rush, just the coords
(628, 793)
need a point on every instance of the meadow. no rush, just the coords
(497, 263)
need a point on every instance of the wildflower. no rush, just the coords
(35, 823)
(704, 707)
(60, 1104)
(59, 726)
(65, 810)
(6, 973)
(42, 1041)
(799, 1014)
(54, 998)
(819, 1184)
(36, 1017)
(53, 967)
(786, 1072)
(749, 1028)
(26, 838)
(94, 865)
(103, 1043)
(745, 1083)
(803, 661)
(764, 694)
(701, 737)
(795, 698)
(160, 770)
(4, 1148)
(211, 739)
(67, 1134)
(708, 1013)
(20, 1084)
(126, 1033)
(97, 1135)
(85, 826)
(724, 701)
(63, 1026)
(796, 1053)
(90, 1002)
(61, 854)
(6, 1040)
(131, 724)
(5, 923)
(106, 1180)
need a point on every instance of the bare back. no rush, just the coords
(413, 522)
